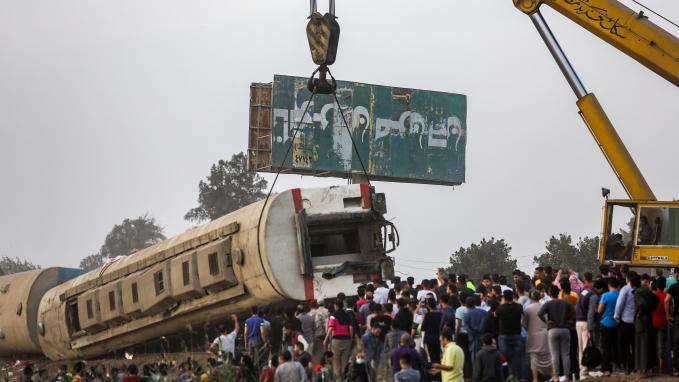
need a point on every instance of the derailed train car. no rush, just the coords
(305, 244)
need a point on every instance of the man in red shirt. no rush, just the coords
(132, 376)
(361, 296)
(268, 374)
(659, 319)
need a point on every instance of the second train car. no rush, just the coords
(303, 244)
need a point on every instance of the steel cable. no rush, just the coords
(656, 13)
(353, 143)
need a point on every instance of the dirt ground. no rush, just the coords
(629, 378)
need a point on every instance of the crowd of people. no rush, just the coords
(551, 325)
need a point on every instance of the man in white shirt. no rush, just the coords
(422, 294)
(226, 343)
(484, 305)
(544, 297)
(503, 284)
(381, 294)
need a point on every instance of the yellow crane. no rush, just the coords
(652, 239)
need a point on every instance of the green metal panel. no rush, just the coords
(405, 135)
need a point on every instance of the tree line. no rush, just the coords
(229, 186)
(494, 256)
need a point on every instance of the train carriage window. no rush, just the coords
(73, 318)
(112, 301)
(334, 240)
(135, 293)
(90, 311)
(158, 282)
(620, 231)
(213, 263)
(185, 273)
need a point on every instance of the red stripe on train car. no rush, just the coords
(366, 198)
(308, 280)
(297, 199)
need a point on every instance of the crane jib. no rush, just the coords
(630, 32)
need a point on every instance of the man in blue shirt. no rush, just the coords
(624, 315)
(373, 348)
(475, 322)
(447, 313)
(253, 331)
(608, 326)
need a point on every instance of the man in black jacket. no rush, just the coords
(431, 327)
(509, 329)
(487, 364)
(404, 317)
(645, 302)
(560, 318)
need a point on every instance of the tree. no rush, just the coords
(488, 256)
(129, 236)
(561, 253)
(92, 261)
(15, 265)
(228, 187)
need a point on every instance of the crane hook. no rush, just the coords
(323, 34)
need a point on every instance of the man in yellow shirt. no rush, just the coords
(452, 362)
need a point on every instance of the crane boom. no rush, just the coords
(658, 50)
(614, 149)
(631, 32)
(597, 122)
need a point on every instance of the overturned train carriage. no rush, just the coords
(305, 244)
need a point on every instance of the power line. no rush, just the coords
(412, 267)
(447, 259)
(421, 261)
(656, 13)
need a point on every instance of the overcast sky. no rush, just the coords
(111, 109)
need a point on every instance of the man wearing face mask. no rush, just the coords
(358, 370)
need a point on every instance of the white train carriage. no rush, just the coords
(305, 244)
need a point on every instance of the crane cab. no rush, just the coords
(640, 233)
